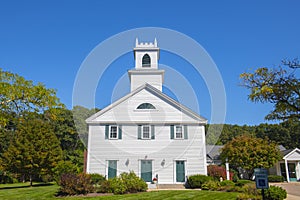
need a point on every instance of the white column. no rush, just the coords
(227, 170)
(287, 170)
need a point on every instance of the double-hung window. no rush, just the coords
(146, 132)
(113, 132)
(178, 133)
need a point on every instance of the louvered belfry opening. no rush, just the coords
(146, 62)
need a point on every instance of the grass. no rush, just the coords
(41, 191)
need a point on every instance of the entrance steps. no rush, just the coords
(166, 186)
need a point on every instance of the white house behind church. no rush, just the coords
(146, 131)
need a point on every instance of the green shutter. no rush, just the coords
(139, 132)
(172, 131)
(106, 131)
(152, 132)
(120, 132)
(185, 132)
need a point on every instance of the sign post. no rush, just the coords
(261, 179)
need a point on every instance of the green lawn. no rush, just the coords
(24, 192)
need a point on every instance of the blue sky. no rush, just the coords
(46, 41)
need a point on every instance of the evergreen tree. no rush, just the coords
(34, 149)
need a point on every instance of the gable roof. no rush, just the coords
(157, 93)
(213, 151)
(290, 152)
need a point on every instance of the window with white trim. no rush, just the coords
(113, 132)
(178, 132)
(146, 132)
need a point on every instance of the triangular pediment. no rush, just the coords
(293, 155)
(167, 110)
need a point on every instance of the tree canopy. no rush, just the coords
(249, 152)
(279, 86)
(19, 96)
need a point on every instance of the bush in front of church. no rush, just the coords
(74, 184)
(125, 183)
(196, 181)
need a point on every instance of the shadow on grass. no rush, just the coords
(26, 186)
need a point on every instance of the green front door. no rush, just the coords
(112, 168)
(146, 170)
(180, 171)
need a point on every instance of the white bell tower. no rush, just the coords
(146, 70)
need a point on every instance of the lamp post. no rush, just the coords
(227, 169)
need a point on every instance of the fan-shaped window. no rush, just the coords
(146, 62)
(146, 106)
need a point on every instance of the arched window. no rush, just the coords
(146, 106)
(146, 62)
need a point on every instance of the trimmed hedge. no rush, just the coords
(196, 181)
(275, 178)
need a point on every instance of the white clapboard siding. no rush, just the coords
(161, 148)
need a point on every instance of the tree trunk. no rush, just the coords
(30, 179)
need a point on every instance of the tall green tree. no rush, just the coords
(80, 114)
(34, 149)
(279, 86)
(70, 142)
(248, 152)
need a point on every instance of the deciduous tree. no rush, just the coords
(279, 86)
(19, 96)
(248, 153)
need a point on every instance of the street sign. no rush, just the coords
(261, 178)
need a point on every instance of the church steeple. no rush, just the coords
(146, 55)
(146, 70)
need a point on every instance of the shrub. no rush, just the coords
(71, 184)
(210, 185)
(133, 183)
(275, 193)
(6, 177)
(235, 177)
(63, 167)
(117, 186)
(250, 189)
(97, 179)
(104, 187)
(275, 178)
(241, 183)
(125, 183)
(227, 183)
(196, 181)
(249, 192)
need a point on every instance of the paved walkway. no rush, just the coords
(293, 189)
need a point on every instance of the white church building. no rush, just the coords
(146, 131)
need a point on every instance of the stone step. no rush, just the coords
(170, 186)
